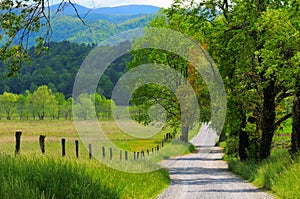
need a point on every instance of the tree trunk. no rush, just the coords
(295, 142)
(184, 133)
(268, 120)
(243, 138)
(21, 115)
(243, 145)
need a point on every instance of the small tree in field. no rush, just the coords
(42, 101)
(8, 102)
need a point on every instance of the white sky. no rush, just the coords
(111, 3)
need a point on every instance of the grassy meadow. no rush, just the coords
(33, 175)
(56, 130)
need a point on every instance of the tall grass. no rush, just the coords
(41, 177)
(279, 173)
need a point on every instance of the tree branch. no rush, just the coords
(278, 122)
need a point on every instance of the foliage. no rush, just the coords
(8, 102)
(179, 103)
(57, 68)
(254, 44)
(18, 20)
(44, 103)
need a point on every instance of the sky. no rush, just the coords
(111, 3)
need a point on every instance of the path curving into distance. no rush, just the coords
(205, 175)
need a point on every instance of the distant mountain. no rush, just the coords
(127, 10)
(69, 10)
(102, 22)
(68, 28)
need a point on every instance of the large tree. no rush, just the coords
(175, 75)
(253, 43)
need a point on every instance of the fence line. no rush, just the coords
(136, 154)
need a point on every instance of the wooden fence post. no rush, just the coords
(148, 152)
(77, 148)
(142, 154)
(157, 148)
(42, 143)
(103, 152)
(120, 154)
(126, 155)
(110, 153)
(18, 141)
(63, 147)
(134, 155)
(90, 151)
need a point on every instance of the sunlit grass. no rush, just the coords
(33, 175)
(279, 174)
(41, 177)
(56, 130)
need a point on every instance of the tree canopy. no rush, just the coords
(256, 47)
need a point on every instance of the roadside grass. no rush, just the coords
(278, 174)
(41, 177)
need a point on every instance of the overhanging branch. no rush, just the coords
(287, 116)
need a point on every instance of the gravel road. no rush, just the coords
(204, 175)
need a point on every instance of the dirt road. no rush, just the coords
(205, 175)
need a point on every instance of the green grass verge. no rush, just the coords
(40, 177)
(279, 174)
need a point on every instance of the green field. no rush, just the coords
(56, 130)
(33, 175)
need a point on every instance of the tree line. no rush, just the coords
(43, 103)
(57, 68)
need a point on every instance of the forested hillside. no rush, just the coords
(57, 68)
(93, 25)
(95, 30)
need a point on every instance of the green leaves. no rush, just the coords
(18, 20)
(8, 103)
